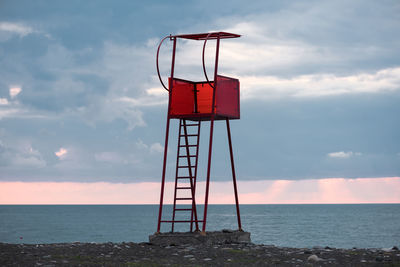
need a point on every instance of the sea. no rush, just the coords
(301, 226)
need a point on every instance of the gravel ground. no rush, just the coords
(146, 254)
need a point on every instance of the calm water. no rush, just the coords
(344, 226)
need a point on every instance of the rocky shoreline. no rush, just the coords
(147, 254)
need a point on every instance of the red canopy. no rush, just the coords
(212, 35)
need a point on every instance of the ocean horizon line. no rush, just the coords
(214, 204)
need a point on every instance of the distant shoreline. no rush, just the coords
(271, 204)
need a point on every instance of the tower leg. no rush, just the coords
(208, 175)
(166, 136)
(228, 129)
(163, 176)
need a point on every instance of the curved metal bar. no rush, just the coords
(158, 69)
(204, 65)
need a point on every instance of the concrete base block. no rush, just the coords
(208, 238)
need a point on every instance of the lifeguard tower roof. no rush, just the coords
(208, 36)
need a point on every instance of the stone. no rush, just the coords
(194, 238)
(225, 254)
(314, 258)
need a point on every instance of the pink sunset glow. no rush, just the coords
(323, 191)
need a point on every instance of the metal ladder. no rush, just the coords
(186, 172)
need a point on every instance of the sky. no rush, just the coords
(82, 111)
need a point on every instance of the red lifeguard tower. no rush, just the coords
(192, 103)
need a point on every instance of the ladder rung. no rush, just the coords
(183, 198)
(180, 221)
(185, 187)
(187, 156)
(185, 177)
(183, 135)
(182, 209)
(194, 166)
(187, 145)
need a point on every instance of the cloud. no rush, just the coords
(12, 110)
(274, 58)
(74, 161)
(9, 29)
(29, 157)
(28, 161)
(97, 84)
(111, 157)
(314, 36)
(343, 155)
(61, 153)
(319, 85)
(141, 145)
(109, 85)
(153, 148)
(156, 148)
(15, 109)
(14, 91)
(20, 155)
(109, 110)
(147, 101)
(136, 156)
(16, 28)
(304, 50)
(5, 113)
(317, 66)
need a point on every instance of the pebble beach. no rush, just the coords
(148, 254)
